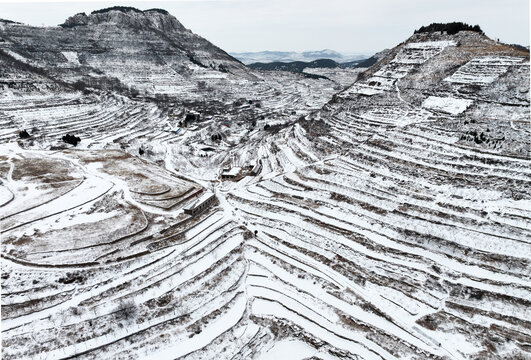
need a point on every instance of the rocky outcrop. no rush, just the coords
(129, 17)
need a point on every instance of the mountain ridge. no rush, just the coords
(299, 66)
(291, 56)
(120, 44)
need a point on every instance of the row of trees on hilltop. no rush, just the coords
(450, 28)
(127, 9)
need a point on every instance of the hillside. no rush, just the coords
(112, 48)
(273, 216)
(140, 72)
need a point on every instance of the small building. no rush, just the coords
(229, 173)
(204, 202)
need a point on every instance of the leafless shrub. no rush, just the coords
(126, 311)
(77, 310)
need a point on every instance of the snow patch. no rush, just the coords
(448, 105)
(71, 57)
(17, 56)
(420, 52)
(431, 44)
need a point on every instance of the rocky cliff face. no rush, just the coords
(149, 51)
(128, 17)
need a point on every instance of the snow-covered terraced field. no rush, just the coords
(389, 221)
(406, 60)
(483, 70)
(426, 235)
(90, 245)
(453, 106)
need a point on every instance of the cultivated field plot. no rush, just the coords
(91, 257)
(397, 258)
(77, 207)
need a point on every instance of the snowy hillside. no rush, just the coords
(249, 215)
(145, 52)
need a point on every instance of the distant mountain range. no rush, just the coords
(291, 56)
(299, 66)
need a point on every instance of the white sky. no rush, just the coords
(348, 26)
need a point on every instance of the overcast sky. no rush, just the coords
(348, 26)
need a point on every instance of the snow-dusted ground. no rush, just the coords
(393, 225)
(448, 105)
(484, 70)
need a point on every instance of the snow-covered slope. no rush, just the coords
(390, 221)
(142, 51)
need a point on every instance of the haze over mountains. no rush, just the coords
(290, 56)
(159, 199)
